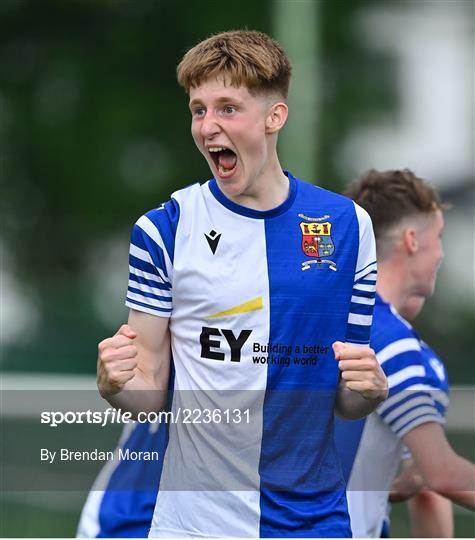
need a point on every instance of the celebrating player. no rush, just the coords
(260, 337)
(408, 222)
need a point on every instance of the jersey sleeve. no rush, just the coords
(360, 317)
(412, 400)
(151, 253)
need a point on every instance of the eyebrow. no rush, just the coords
(220, 100)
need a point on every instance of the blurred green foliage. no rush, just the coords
(94, 131)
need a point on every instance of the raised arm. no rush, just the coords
(133, 367)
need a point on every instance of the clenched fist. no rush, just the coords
(116, 361)
(360, 370)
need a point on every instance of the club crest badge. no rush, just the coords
(317, 242)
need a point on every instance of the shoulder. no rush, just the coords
(339, 205)
(324, 195)
(189, 193)
(396, 344)
(391, 335)
(168, 213)
(389, 327)
(157, 228)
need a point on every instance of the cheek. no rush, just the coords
(256, 148)
(197, 140)
(439, 253)
(436, 262)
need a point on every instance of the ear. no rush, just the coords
(410, 242)
(276, 117)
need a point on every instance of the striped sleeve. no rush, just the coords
(412, 399)
(360, 316)
(151, 254)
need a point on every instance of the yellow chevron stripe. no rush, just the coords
(252, 305)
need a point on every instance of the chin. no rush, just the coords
(413, 307)
(229, 186)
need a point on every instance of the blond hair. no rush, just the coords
(242, 57)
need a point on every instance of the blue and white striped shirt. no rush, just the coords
(371, 448)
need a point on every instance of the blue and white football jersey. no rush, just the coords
(122, 499)
(371, 448)
(255, 300)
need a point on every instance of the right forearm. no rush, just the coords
(137, 396)
(464, 498)
(442, 469)
(456, 481)
(133, 370)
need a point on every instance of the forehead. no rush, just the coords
(218, 89)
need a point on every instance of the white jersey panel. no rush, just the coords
(219, 513)
(368, 488)
(218, 290)
(220, 308)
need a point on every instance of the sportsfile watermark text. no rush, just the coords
(117, 416)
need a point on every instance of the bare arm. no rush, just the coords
(363, 384)
(133, 366)
(441, 468)
(431, 515)
(407, 484)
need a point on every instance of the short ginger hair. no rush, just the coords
(243, 57)
(392, 196)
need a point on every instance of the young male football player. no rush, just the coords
(408, 223)
(252, 294)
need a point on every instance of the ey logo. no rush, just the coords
(212, 344)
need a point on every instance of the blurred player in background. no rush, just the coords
(122, 499)
(431, 514)
(408, 222)
(250, 283)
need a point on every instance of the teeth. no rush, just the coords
(223, 171)
(216, 149)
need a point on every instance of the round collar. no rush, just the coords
(250, 212)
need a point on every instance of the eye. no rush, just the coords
(229, 109)
(198, 111)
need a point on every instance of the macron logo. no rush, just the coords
(213, 240)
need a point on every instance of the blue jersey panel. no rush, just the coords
(309, 311)
(127, 506)
(347, 438)
(129, 500)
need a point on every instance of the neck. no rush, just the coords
(392, 283)
(269, 189)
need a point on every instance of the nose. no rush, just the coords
(209, 125)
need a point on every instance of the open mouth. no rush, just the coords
(224, 159)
